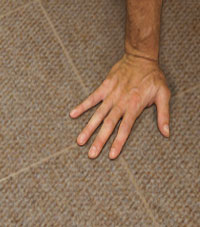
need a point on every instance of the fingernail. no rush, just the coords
(166, 129)
(93, 151)
(73, 112)
(81, 137)
(112, 152)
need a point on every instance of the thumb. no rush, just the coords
(162, 104)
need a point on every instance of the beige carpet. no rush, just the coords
(53, 54)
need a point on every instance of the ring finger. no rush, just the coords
(124, 131)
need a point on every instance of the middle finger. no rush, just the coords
(105, 131)
(95, 121)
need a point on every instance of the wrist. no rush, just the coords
(150, 53)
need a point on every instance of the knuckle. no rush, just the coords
(127, 125)
(89, 127)
(136, 99)
(167, 92)
(109, 122)
(99, 114)
(90, 100)
(105, 88)
(136, 96)
(125, 129)
(118, 108)
(106, 82)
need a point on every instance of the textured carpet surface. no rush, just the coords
(53, 54)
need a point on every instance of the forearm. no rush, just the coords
(143, 28)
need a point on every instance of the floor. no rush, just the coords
(53, 54)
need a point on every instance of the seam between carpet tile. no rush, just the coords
(134, 182)
(35, 164)
(16, 9)
(62, 45)
(178, 95)
(87, 92)
(74, 146)
(123, 162)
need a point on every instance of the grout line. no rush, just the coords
(87, 92)
(122, 160)
(16, 9)
(62, 45)
(126, 166)
(181, 93)
(76, 72)
(37, 163)
(134, 182)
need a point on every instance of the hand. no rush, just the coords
(132, 84)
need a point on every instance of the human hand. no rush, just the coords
(132, 84)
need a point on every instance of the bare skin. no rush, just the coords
(133, 83)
